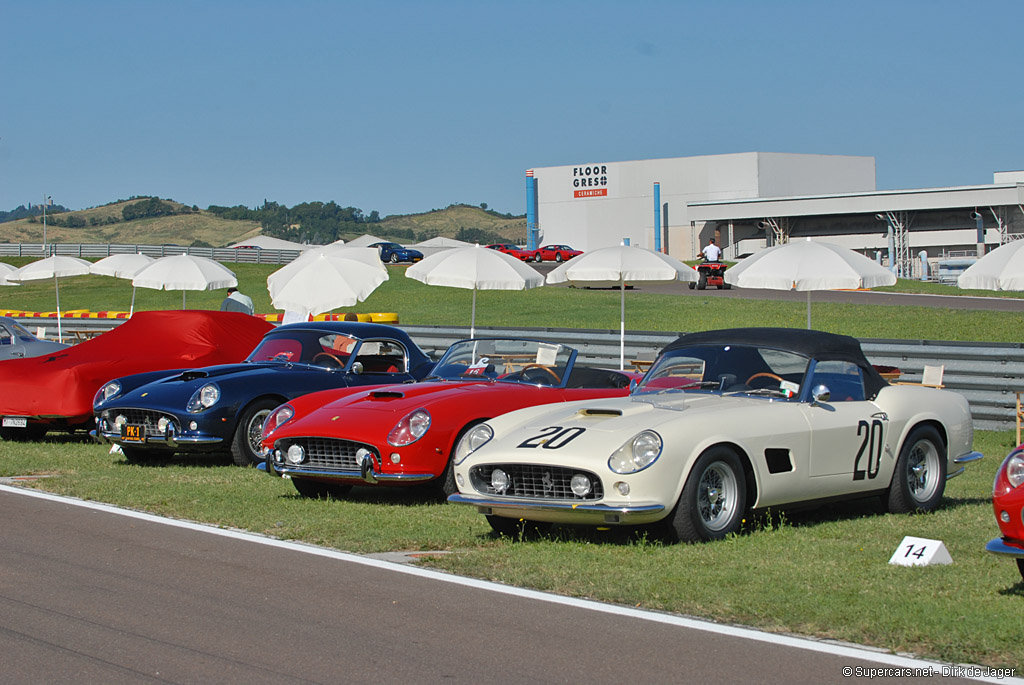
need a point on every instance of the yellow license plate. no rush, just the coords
(132, 433)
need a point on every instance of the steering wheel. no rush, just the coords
(550, 372)
(765, 374)
(328, 355)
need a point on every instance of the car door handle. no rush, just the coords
(880, 415)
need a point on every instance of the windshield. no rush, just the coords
(304, 347)
(726, 368)
(506, 360)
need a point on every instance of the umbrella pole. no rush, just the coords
(472, 321)
(182, 299)
(132, 309)
(808, 310)
(56, 284)
(622, 323)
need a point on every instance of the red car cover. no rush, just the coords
(62, 385)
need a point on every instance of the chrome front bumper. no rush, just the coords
(968, 458)
(368, 473)
(565, 512)
(169, 439)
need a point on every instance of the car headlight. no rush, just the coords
(1015, 469)
(203, 398)
(109, 390)
(637, 453)
(475, 438)
(278, 418)
(411, 428)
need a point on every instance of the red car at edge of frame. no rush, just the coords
(1008, 506)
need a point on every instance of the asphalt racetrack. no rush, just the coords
(92, 594)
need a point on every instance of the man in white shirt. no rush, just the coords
(237, 302)
(712, 253)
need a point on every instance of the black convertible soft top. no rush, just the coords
(814, 344)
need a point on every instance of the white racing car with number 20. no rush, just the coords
(723, 423)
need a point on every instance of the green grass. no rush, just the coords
(556, 307)
(821, 572)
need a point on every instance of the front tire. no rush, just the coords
(920, 475)
(692, 285)
(558, 257)
(538, 258)
(713, 500)
(315, 489)
(394, 258)
(245, 445)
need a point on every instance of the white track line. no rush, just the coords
(977, 673)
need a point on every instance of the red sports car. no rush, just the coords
(517, 252)
(555, 253)
(1008, 503)
(55, 391)
(326, 442)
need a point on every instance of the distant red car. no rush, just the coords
(517, 252)
(555, 253)
(55, 391)
(1008, 503)
(328, 441)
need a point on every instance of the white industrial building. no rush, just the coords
(749, 201)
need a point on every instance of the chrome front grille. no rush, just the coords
(147, 418)
(328, 453)
(530, 481)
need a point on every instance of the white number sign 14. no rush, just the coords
(920, 552)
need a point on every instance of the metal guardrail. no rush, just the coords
(239, 255)
(987, 374)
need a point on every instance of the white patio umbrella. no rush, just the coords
(1000, 269)
(807, 265)
(4, 270)
(619, 264)
(325, 278)
(475, 268)
(185, 272)
(54, 267)
(123, 266)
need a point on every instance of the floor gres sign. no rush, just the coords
(590, 181)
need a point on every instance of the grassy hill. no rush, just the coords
(204, 227)
(179, 229)
(447, 222)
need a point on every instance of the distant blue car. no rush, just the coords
(16, 342)
(222, 408)
(395, 253)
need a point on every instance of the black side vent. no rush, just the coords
(778, 460)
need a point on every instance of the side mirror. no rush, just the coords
(820, 394)
(632, 384)
(357, 367)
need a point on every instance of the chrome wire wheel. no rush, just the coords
(717, 492)
(254, 430)
(922, 470)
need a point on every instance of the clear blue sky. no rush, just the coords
(404, 106)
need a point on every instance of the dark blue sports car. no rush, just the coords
(222, 408)
(395, 253)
